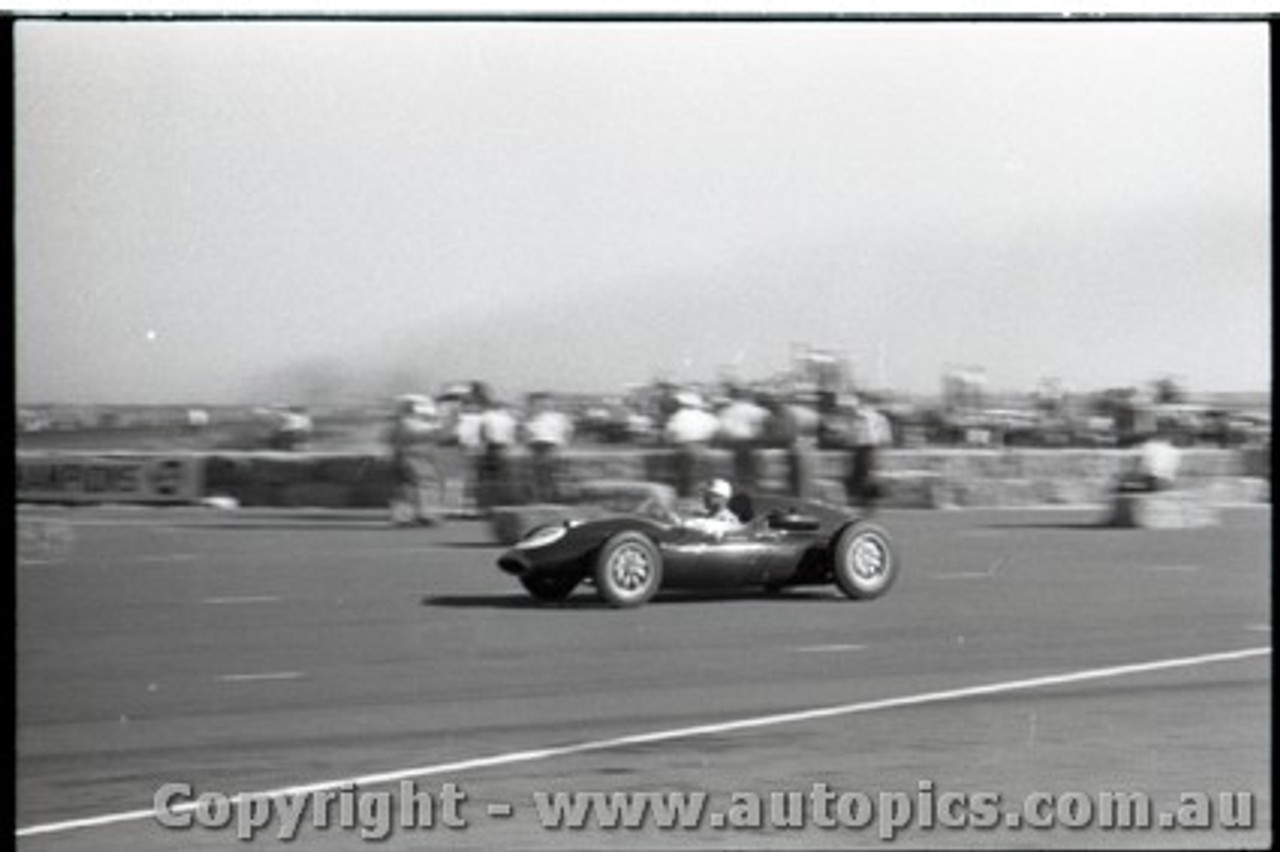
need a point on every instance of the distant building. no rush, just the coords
(821, 370)
(964, 388)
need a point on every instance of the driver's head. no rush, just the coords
(716, 494)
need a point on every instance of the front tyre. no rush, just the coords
(628, 570)
(864, 562)
(549, 589)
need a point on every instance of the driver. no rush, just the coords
(718, 518)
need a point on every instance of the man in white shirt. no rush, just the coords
(692, 423)
(1155, 468)
(690, 430)
(1158, 462)
(742, 424)
(546, 432)
(411, 438)
(497, 434)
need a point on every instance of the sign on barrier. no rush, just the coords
(108, 479)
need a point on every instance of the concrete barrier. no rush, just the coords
(924, 479)
(1163, 510)
(622, 494)
(89, 478)
(1256, 462)
(325, 480)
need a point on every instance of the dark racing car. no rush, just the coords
(783, 542)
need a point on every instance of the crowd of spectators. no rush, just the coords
(642, 416)
(474, 434)
(460, 443)
(456, 448)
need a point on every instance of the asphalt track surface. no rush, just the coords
(266, 650)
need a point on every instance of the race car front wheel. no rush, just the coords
(865, 564)
(628, 570)
(549, 589)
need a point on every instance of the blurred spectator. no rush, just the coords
(778, 430)
(742, 424)
(690, 430)
(292, 429)
(871, 431)
(498, 432)
(1137, 420)
(1167, 391)
(1216, 429)
(836, 433)
(468, 425)
(666, 403)
(458, 446)
(605, 421)
(1156, 465)
(547, 431)
(418, 494)
(197, 419)
(835, 422)
(640, 426)
(802, 421)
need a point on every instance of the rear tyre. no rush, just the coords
(864, 562)
(628, 570)
(549, 589)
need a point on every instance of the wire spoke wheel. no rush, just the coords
(864, 562)
(628, 570)
(870, 558)
(630, 567)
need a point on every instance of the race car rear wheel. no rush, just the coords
(864, 562)
(628, 570)
(549, 589)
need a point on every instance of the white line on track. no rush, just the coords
(242, 678)
(827, 649)
(714, 728)
(245, 599)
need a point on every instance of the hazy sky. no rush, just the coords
(223, 211)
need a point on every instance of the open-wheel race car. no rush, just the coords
(783, 542)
